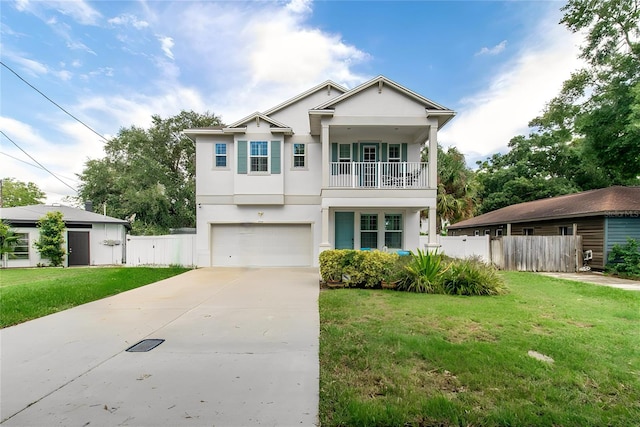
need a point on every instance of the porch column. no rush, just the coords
(324, 244)
(433, 233)
(326, 157)
(433, 156)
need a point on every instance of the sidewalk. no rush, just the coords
(241, 349)
(598, 279)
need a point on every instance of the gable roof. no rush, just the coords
(433, 108)
(259, 116)
(31, 214)
(327, 85)
(603, 201)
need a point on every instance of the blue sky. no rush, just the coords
(113, 64)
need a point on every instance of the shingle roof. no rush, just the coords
(604, 201)
(32, 213)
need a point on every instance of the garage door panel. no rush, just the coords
(264, 245)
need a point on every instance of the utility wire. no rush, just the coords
(35, 166)
(53, 102)
(38, 163)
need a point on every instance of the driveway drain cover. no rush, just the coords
(145, 345)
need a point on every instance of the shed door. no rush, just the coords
(78, 244)
(261, 245)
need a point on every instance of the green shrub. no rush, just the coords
(358, 268)
(472, 277)
(422, 273)
(330, 265)
(624, 260)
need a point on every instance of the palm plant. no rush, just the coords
(8, 241)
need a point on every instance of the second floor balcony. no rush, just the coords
(380, 175)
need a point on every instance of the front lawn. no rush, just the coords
(26, 294)
(400, 359)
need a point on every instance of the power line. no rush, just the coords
(38, 163)
(53, 102)
(35, 166)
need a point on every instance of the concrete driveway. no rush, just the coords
(241, 349)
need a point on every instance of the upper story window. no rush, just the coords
(221, 155)
(299, 155)
(344, 155)
(394, 153)
(259, 156)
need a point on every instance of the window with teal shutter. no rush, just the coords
(275, 156)
(242, 156)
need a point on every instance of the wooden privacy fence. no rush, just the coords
(537, 253)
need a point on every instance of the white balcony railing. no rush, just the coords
(378, 175)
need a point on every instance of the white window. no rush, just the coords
(487, 232)
(393, 231)
(369, 231)
(394, 153)
(21, 249)
(344, 155)
(299, 155)
(259, 156)
(499, 232)
(476, 233)
(221, 155)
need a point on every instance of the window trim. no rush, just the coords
(369, 231)
(499, 232)
(216, 155)
(303, 156)
(22, 242)
(400, 230)
(251, 156)
(394, 159)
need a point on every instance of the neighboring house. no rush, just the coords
(90, 238)
(329, 168)
(602, 217)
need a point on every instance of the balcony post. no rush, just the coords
(326, 155)
(433, 155)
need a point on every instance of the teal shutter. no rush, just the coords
(275, 156)
(242, 156)
(354, 152)
(334, 151)
(384, 152)
(404, 152)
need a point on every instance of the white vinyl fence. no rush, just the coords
(462, 246)
(173, 249)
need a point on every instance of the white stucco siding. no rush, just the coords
(387, 103)
(307, 180)
(212, 180)
(209, 215)
(296, 115)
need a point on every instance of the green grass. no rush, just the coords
(27, 294)
(400, 359)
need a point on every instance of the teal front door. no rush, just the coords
(344, 230)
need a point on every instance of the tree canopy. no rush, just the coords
(18, 193)
(148, 175)
(588, 136)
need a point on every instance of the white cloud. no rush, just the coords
(79, 10)
(493, 50)
(253, 63)
(166, 44)
(128, 19)
(299, 6)
(33, 67)
(487, 120)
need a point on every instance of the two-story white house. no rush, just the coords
(329, 168)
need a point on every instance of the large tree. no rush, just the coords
(589, 135)
(18, 193)
(457, 187)
(148, 175)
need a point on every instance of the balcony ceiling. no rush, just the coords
(407, 133)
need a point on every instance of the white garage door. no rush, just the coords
(261, 245)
